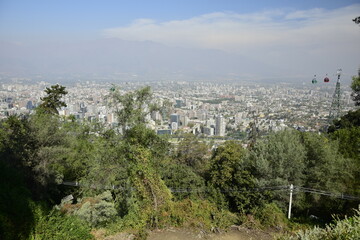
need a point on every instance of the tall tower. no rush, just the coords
(254, 131)
(335, 108)
(220, 126)
(174, 121)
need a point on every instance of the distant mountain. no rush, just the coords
(115, 56)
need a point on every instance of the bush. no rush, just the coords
(16, 216)
(96, 211)
(199, 214)
(59, 226)
(347, 229)
(270, 215)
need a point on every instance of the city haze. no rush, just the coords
(229, 40)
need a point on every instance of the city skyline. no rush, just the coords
(207, 109)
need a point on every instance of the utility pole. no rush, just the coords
(290, 201)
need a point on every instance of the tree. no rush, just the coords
(278, 159)
(355, 86)
(184, 180)
(17, 143)
(326, 169)
(150, 196)
(231, 181)
(132, 108)
(349, 147)
(52, 102)
(192, 152)
(349, 120)
(16, 215)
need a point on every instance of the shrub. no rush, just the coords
(16, 216)
(59, 226)
(347, 229)
(270, 215)
(198, 214)
(97, 211)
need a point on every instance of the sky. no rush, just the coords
(285, 33)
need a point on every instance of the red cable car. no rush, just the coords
(326, 79)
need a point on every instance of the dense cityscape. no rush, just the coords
(201, 108)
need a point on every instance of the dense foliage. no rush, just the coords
(131, 178)
(347, 229)
(355, 86)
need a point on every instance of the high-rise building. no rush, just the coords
(175, 118)
(209, 131)
(179, 103)
(156, 116)
(29, 105)
(184, 120)
(220, 126)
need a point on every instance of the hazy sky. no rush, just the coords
(302, 32)
(23, 19)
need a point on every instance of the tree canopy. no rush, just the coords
(52, 101)
(355, 86)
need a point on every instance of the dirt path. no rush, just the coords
(183, 234)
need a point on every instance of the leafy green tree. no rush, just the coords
(349, 147)
(151, 196)
(145, 137)
(349, 142)
(17, 142)
(346, 131)
(132, 108)
(349, 120)
(16, 216)
(184, 182)
(326, 169)
(230, 179)
(278, 159)
(355, 86)
(323, 162)
(193, 153)
(52, 101)
(48, 155)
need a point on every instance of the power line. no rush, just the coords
(203, 190)
(260, 189)
(325, 193)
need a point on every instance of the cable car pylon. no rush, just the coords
(335, 109)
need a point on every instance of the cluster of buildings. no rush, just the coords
(209, 109)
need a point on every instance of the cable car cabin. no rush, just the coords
(326, 79)
(314, 80)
